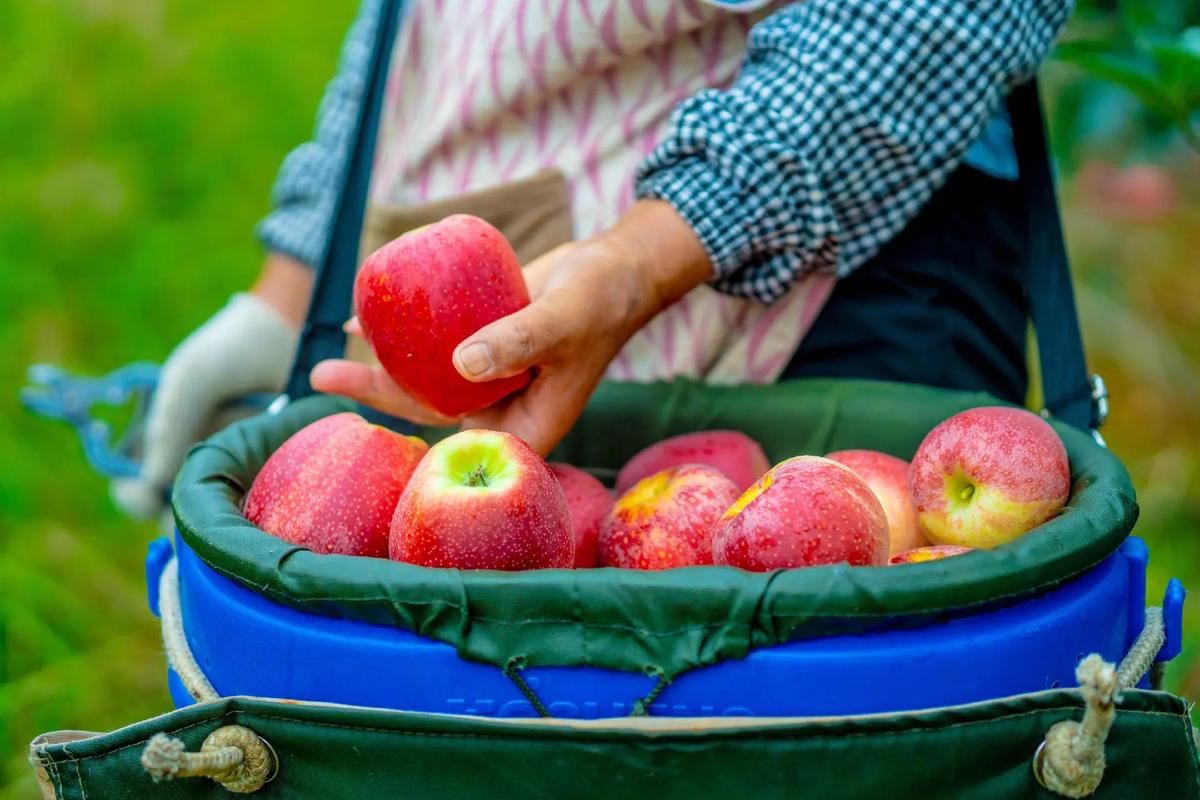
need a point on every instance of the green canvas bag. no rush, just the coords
(672, 621)
(330, 752)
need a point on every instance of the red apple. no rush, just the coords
(589, 502)
(419, 296)
(332, 487)
(933, 552)
(733, 453)
(804, 511)
(985, 476)
(483, 500)
(667, 519)
(888, 478)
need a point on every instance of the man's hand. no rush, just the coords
(588, 298)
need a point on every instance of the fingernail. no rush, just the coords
(475, 358)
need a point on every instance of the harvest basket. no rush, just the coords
(668, 624)
(944, 677)
(378, 679)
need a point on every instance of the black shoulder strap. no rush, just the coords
(333, 288)
(1065, 385)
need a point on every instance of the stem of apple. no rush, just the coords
(477, 477)
(966, 493)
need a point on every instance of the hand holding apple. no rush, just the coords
(332, 486)
(420, 295)
(589, 297)
(987, 475)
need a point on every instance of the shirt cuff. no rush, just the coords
(294, 232)
(751, 235)
(707, 203)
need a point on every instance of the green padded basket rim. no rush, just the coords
(663, 622)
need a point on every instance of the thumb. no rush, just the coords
(511, 344)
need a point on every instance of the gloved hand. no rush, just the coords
(246, 348)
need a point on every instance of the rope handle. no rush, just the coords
(233, 756)
(1070, 760)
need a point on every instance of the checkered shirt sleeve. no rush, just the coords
(305, 195)
(845, 118)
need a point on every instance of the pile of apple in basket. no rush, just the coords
(484, 500)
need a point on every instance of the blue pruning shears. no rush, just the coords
(57, 394)
(54, 393)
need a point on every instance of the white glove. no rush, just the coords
(245, 348)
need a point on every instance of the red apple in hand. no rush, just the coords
(804, 511)
(667, 519)
(419, 296)
(733, 453)
(332, 487)
(483, 500)
(589, 503)
(888, 478)
(985, 476)
(933, 552)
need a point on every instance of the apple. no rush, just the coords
(667, 519)
(805, 511)
(888, 478)
(420, 295)
(588, 502)
(932, 552)
(739, 457)
(985, 476)
(483, 500)
(332, 486)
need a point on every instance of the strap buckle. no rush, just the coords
(1099, 400)
(1099, 406)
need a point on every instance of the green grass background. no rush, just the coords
(139, 142)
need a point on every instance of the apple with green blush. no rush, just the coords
(988, 475)
(483, 500)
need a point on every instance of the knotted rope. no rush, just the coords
(1070, 761)
(233, 756)
(179, 653)
(1140, 658)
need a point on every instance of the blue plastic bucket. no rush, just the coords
(248, 645)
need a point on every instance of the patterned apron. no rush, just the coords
(536, 116)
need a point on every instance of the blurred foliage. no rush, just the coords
(140, 141)
(1141, 65)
